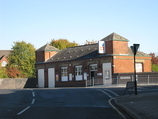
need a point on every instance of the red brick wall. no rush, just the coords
(116, 47)
(120, 47)
(147, 66)
(125, 64)
(49, 54)
(109, 47)
(42, 56)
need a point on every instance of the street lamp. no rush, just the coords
(135, 49)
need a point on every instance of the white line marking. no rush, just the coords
(111, 92)
(33, 101)
(116, 109)
(105, 93)
(33, 94)
(23, 110)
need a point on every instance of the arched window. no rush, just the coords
(4, 63)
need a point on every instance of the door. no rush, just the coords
(51, 78)
(41, 78)
(107, 76)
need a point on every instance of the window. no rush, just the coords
(107, 74)
(64, 74)
(139, 67)
(4, 63)
(78, 70)
(93, 67)
(78, 73)
(63, 71)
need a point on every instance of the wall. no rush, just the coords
(125, 64)
(17, 83)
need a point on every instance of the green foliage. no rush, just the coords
(3, 73)
(22, 58)
(154, 67)
(62, 43)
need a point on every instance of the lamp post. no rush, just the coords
(135, 49)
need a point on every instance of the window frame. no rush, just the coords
(64, 74)
(78, 73)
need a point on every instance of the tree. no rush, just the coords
(13, 72)
(3, 73)
(154, 61)
(62, 43)
(22, 59)
(90, 42)
(154, 67)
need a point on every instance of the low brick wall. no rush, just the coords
(17, 83)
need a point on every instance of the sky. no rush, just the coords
(39, 21)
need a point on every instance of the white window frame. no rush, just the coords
(78, 73)
(4, 63)
(139, 67)
(64, 74)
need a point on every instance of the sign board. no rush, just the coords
(130, 84)
(134, 48)
(85, 75)
(101, 47)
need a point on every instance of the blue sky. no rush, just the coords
(39, 21)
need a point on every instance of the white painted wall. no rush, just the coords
(107, 79)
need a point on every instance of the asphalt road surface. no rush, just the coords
(68, 103)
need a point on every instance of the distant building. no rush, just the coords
(3, 57)
(75, 66)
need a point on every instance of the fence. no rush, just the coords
(93, 82)
(122, 79)
(141, 79)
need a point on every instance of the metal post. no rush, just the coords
(134, 48)
(117, 80)
(93, 81)
(135, 81)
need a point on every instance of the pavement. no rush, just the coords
(140, 106)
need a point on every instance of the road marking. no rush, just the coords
(116, 109)
(111, 92)
(33, 101)
(23, 110)
(33, 94)
(110, 96)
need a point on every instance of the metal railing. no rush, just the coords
(123, 79)
(141, 79)
(93, 82)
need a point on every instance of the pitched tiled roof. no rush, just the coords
(76, 53)
(83, 52)
(47, 47)
(4, 53)
(139, 53)
(114, 36)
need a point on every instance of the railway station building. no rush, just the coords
(86, 64)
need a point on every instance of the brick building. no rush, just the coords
(3, 57)
(77, 66)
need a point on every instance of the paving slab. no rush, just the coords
(141, 106)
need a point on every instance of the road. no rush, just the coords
(64, 103)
